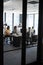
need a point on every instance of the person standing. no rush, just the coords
(30, 39)
(32, 30)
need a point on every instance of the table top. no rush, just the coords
(17, 34)
(13, 35)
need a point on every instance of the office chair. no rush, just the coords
(34, 39)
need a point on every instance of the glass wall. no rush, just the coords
(30, 21)
(12, 43)
(31, 40)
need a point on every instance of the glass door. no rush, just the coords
(32, 21)
(23, 49)
(12, 44)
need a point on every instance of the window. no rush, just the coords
(4, 18)
(21, 18)
(36, 24)
(29, 20)
(16, 19)
(9, 20)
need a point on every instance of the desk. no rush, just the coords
(16, 39)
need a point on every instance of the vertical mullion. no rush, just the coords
(23, 58)
(39, 48)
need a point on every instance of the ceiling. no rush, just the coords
(16, 5)
(5, 0)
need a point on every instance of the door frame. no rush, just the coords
(39, 47)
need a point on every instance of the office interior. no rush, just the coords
(12, 16)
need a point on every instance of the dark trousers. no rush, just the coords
(16, 41)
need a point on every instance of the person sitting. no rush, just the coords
(15, 31)
(7, 32)
(34, 32)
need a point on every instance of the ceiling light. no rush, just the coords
(33, 2)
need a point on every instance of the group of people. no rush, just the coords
(15, 30)
(29, 34)
(6, 30)
(31, 31)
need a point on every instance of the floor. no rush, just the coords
(14, 57)
(10, 47)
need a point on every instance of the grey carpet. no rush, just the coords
(14, 57)
(7, 47)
